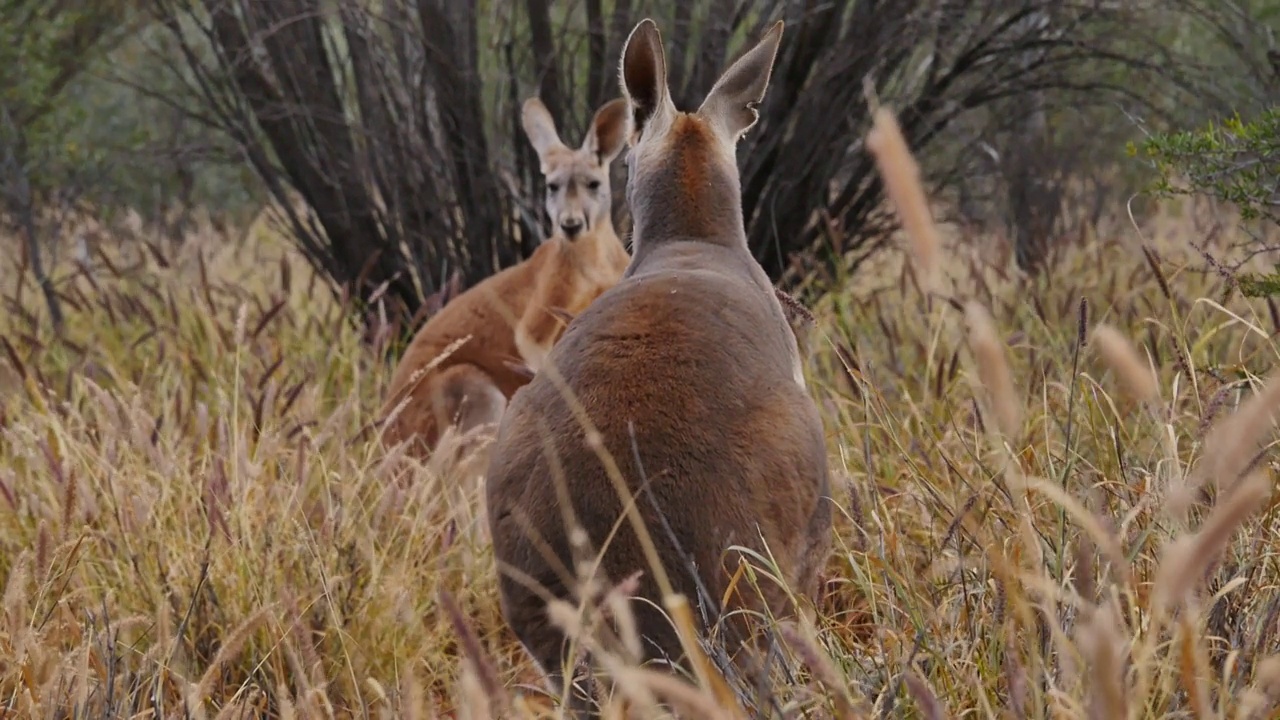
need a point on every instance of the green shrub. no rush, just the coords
(1234, 161)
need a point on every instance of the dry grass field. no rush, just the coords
(196, 519)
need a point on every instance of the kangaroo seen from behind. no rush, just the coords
(582, 258)
(689, 373)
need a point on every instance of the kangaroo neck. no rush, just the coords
(723, 253)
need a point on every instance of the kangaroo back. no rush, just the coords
(688, 375)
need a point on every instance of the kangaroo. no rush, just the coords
(688, 372)
(583, 257)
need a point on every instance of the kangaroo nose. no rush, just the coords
(571, 227)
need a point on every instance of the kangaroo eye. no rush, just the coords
(553, 187)
(593, 185)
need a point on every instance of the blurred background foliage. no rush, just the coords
(384, 134)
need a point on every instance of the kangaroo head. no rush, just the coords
(683, 172)
(578, 194)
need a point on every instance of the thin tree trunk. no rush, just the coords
(32, 240)
(544, 55)
(598, 64)
(18, 196)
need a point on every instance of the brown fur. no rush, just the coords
(470, 387)
(689, 371)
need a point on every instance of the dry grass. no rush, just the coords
(194, 518)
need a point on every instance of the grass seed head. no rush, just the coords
(930, 707)
(901, 176)
(1102, 644)
(1261, 699)
(1123, 359)
(1233, 441)
(1185, 560)
(993, 368)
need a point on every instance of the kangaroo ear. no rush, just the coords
(608, 131)
(539, 126)
(731, 104)
(644, 76)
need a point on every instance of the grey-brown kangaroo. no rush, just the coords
(689, 372)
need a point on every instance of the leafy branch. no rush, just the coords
(1234, 161)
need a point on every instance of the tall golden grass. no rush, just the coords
(1058, 501)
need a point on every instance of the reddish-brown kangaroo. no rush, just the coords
(584, 257)
(689, 374)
